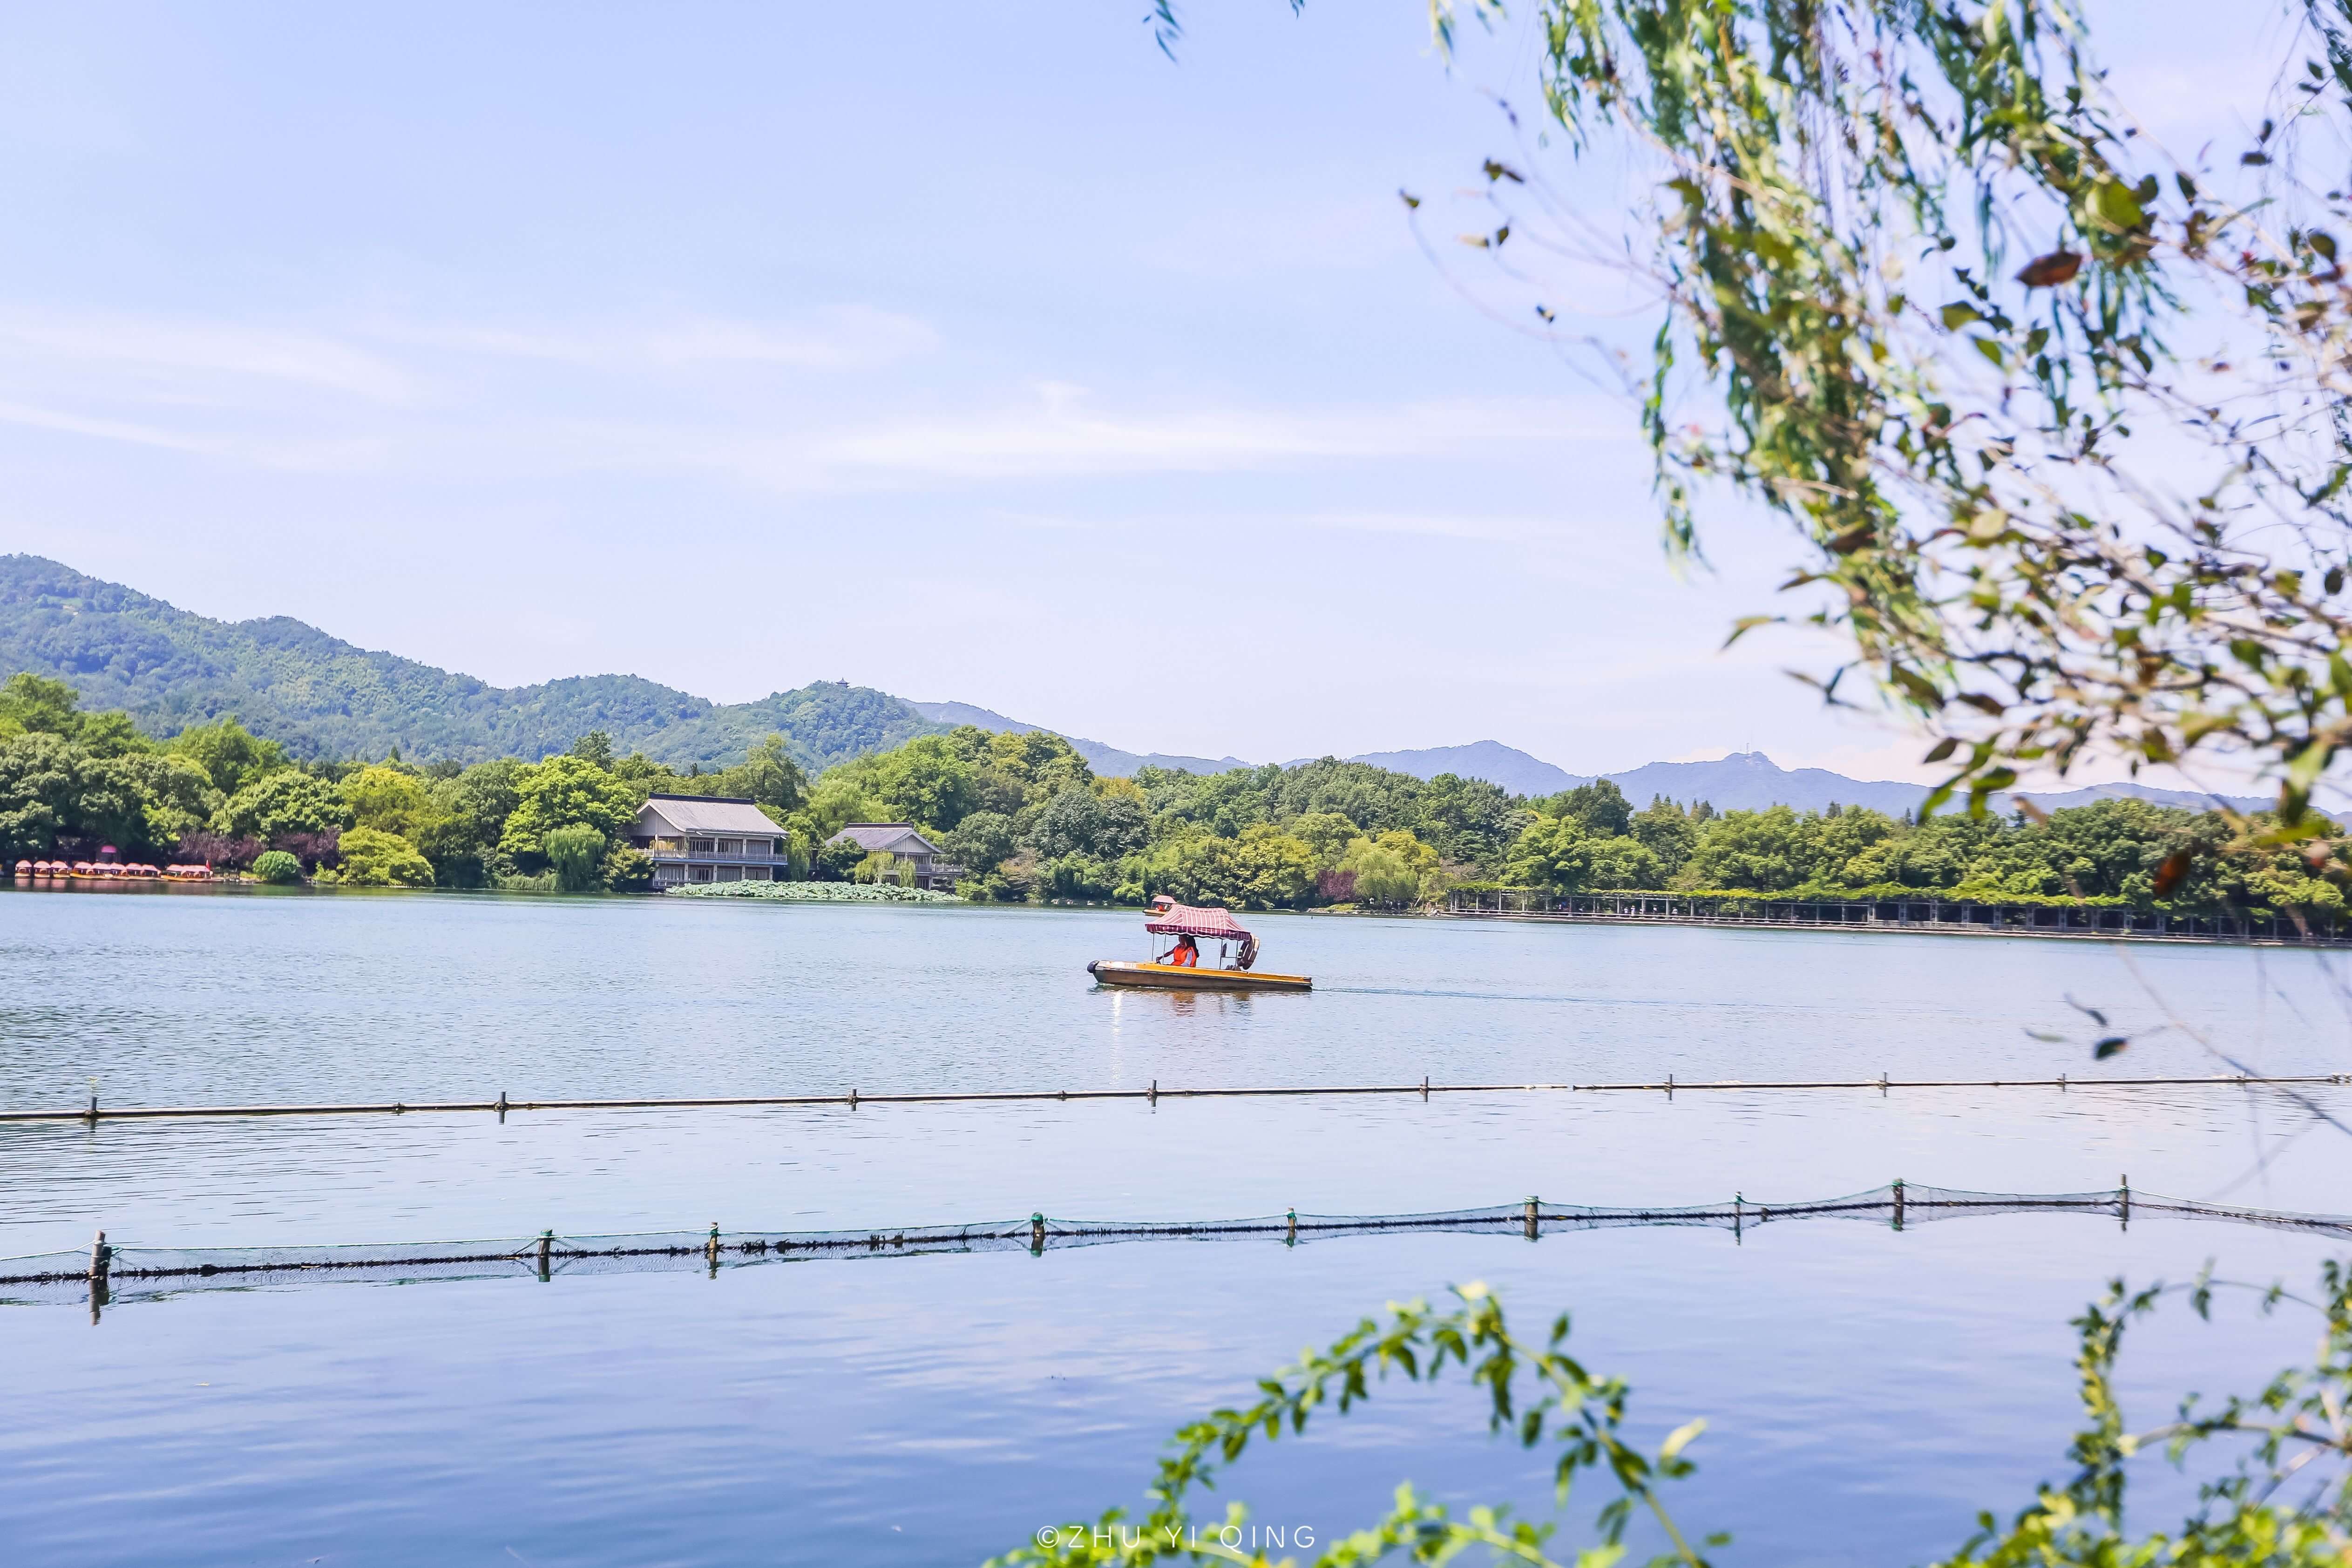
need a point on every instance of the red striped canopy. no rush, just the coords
(1169, 917)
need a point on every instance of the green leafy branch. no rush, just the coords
(2296, 1419)
(1580, 1413)
(2297, 1428)
(1843, 192)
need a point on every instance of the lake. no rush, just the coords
(1867, 1391)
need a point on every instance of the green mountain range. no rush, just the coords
(321, 696)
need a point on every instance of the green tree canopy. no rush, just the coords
(228, 753)
(372, 857)
(175, 797)
(41, 787)
(389, 799)
(925, 781)
(277, 867)
(1080, 820)
(566, 791)
(281, 803)
(111, 734)
(1666, 831)
(1599, 807)
(32, 705)
(981, 842)
(768, 776)
(577, 852)
(1562, 853)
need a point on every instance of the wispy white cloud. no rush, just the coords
(1225, 242)
(838, 338)
(1465, 526)
(413, 395)
(1053, 433)
(153, 362)
(332, 456)
(104, 429)
(153, 346)
(1057, 434)
(841, 338)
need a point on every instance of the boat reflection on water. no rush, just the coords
(1180, 968)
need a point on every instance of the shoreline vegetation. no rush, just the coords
(1028, 821)
(814, 892)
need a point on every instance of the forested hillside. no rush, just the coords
(1027, 819)
(322, 698)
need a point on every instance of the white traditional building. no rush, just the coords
(710, 838)
(904, 841)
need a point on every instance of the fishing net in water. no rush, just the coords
(135, 1272)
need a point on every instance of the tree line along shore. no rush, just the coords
(1025, 819)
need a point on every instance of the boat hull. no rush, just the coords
(1176, 977)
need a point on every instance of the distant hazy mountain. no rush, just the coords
(1750, 781)
(1108, 761)
(1744, 781)
(323, 696)
(1489, 759)
(2188, 800)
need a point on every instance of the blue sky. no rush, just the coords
(973, 353)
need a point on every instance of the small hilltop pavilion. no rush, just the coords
(710, 838)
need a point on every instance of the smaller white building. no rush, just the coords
(904, 841)
(710, 838)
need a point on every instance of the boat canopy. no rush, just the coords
(1169, 917)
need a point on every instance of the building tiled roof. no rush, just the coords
(897, 837)
(700, 814)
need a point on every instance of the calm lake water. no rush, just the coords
(1867, 1391)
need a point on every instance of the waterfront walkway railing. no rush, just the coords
(1923, 913)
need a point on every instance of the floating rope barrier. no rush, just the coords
(109, 1273)
(853, 1099)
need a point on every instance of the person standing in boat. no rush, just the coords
(1186, 953)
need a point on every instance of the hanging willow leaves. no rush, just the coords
(1926, 287)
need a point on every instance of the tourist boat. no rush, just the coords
(1169, 917)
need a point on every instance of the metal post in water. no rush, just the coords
(853, 1099)
(1036, 1235)
(1738, 1203)
(102, 1263)
(2122, 1200)
(1670, 1086)
(1292, 1238)
(1882, 1085)
(546, 1248)
(502, 1105)
(710, 1249)
(1898, 1203)
(1532, 1221)
(1424, 1088)
(1154, 1095)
